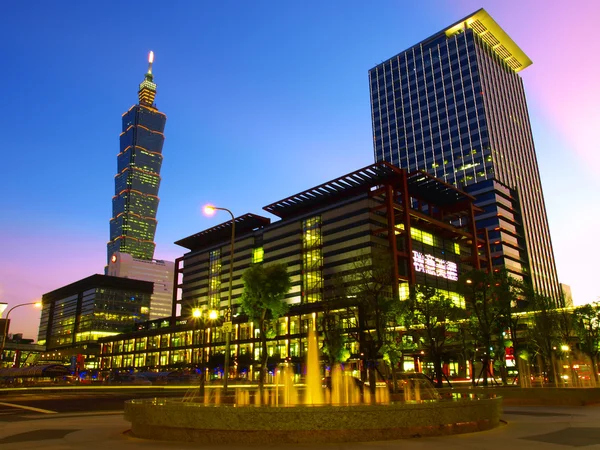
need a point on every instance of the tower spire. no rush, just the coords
(147, 90)
(150, 61)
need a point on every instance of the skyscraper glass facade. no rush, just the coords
(96, 306)
(135, 203)
(454, 106)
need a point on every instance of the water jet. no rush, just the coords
(312, 413)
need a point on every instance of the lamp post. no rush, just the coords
(227, 325)
(37, 304)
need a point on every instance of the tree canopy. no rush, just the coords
(265, 287)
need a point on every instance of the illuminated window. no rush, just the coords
(422, 236)
(457, 248)
(403, 291)
(455, 297)
(214, 279)
(258, 255)
(312, 260)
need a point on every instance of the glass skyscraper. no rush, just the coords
(454, 106)
(133, 223)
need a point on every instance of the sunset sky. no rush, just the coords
(264, 99)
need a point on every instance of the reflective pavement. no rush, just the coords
(528, 428)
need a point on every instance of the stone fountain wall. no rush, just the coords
(209, 424)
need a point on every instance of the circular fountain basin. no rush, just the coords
(169, 419)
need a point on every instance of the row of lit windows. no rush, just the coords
(456, 298)
(429, 239)
(281, 348)
(286, 326)
(312, 260)
(214, 279)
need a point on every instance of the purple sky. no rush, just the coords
(264, 100)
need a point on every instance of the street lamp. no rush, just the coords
(37, 304)
(209, 210)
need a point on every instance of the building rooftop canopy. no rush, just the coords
(430, 189)
(222, 232)
(491, 33)
(494, 36)
(98, 281)
(420, 185)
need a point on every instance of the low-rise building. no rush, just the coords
(156, 271)
(76, 315)
(18, 351)
(424, 224)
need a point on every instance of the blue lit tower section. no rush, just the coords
(133, 223)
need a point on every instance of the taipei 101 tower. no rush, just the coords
(135, 201)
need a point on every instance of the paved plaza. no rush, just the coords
(524, 428)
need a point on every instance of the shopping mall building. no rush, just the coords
(424, 224)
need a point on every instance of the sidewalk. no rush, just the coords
(527, 427)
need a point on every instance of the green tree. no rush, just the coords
(543, 331)
(393, 351)
(510, 298)
(369, 296)
(202, 323)
(262, 300)
(334, 338)
(432, 323)
(567, 338)
(586, 320)
(245, 361)
(467, 344)
(477, 287)
(334, 320)
(492, 301)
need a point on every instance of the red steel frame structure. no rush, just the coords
(408, 198)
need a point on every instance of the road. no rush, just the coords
(35, 404)
(76, 418)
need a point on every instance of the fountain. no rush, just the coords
(340, 411)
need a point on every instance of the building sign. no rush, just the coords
(437, 267)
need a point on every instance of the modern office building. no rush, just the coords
(500, 216)
(323, 236)
(454, 105)
(19, 351)
(568, 295)
(76, 315)
(135, 202)
(156, 271)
